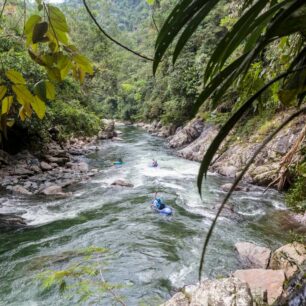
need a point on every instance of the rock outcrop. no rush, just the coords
(193, 140)
(289, 258)
(265, 285)
(122, 183)
(226, 292)
(108, 131)
(11, 221)
(252, 255)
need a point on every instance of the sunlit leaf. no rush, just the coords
(15, 77)
(6, 104)
(57, 19)
(45, 90)
(39, 107)
(3, 90)
(84, 63)
(31, 22)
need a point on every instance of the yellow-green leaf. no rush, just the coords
(3, 90)
(57, 18)
(84, 63)
(22, 113)
(31, 22)
(23, 94)
(45, 90)
(15, 77)
(39, 107)
(50, 91)
(6, 104)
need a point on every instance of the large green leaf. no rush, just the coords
(6, 104)
(15, 77)
(57, 19)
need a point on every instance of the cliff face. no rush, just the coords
(192, 141)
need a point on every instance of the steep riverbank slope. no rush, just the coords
(192, 140)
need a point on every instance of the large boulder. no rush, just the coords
(288, 257)
(252, 255)
(179, 299)
(21, 170)
(58, 160)
(21, 190)
(79, 167)
(45, 166)
(108, 130)
(53, 190)
(265, 285)
(11, 221)
(225, 292)
(187, 134)
(196, 149)
(122, 183)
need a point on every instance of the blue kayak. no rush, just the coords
(167, 211)
(118, 163)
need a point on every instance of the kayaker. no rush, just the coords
(120, 160)
(158, 203)
(154, 163)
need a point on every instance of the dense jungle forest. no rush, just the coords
(147, 145)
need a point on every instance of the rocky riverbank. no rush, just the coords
(267, 278)
(192, 140)
(48, 172)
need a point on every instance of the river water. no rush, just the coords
(148, 255)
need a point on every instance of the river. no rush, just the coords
(148, 255)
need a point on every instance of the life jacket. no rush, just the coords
(159, 204)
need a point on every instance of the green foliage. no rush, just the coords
(81, 280)
(73, 119)
(296, 196)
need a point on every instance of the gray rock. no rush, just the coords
(45, 166)
(58, 160)
(21, 190)
(122, 183)
(53, 190)
(22, 171)
(288, 258)
(228, 186)
(266, 285)
(11, 221)
(80, 167)
(226, 292)
(252, 255)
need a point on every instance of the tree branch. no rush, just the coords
(111, 38)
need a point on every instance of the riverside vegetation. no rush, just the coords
(61, 76)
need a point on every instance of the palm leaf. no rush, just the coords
(224, 75)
